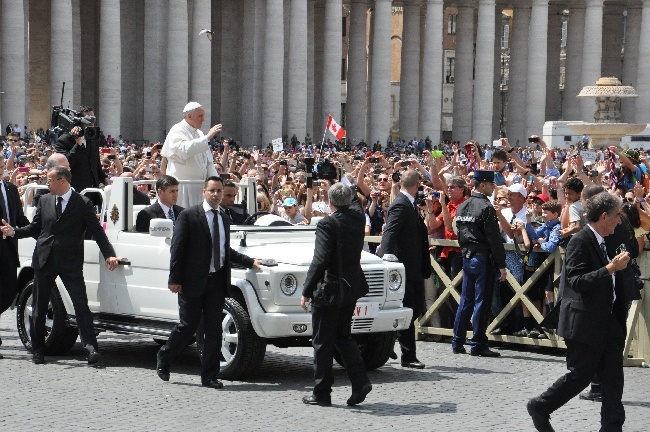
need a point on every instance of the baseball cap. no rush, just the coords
(518, 188)
(542, 197)
(289, 202)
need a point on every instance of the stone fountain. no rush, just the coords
(607, 129)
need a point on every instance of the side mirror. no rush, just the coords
(161, 228)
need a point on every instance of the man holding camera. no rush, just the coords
(405, 237)
(188, 153)
(82, 155)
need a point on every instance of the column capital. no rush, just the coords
(434, 1)
(539, 3)
(594, 3)
(359, 1)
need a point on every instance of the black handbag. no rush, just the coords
(331, 291)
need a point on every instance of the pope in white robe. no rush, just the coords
(188, 154)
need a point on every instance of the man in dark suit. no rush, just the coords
(405, 236)
(83, 156)
(60, 223)
(337, 262)
(164, 208)
(592, 319)
(11, 210)
(199, 272)
(236, 212)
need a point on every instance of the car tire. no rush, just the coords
(59, 337)
(375, 348)
(245, 349)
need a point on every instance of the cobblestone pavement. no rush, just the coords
(453, 393)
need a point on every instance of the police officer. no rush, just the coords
(482, 249)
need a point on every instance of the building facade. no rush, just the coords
(273, 68)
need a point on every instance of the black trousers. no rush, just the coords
(8, 276)
(332, 328)
(44, 280)
(208, 306)
(583, 362)
(414, 299)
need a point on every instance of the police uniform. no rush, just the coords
(483, 252)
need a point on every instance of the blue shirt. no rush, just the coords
(551, 232)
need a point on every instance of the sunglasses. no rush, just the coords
(383, 179)
(630, 200)
(12, 139)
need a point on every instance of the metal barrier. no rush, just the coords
(637, 343)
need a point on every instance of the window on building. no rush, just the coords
(449, 70)
(344, 70)
(345, 28)
(451, 25)
(505, 36)
(564, 33)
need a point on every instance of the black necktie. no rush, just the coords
(4, 212)
(170, 215)
(604, 249)
(59, 206)
(216, 242)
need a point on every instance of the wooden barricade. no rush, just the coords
(637, 343)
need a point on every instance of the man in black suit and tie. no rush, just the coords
(199, 272)
(164, 208)
(236, 212)
(337, 262)
(405, 236)
(11, 210)
(60, 223)
(592, 319)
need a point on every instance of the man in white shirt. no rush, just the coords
(188, 153)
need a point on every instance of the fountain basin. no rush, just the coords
(606, 134)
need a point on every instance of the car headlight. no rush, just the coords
(289, 284)
(394, 280)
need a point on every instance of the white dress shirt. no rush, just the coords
(4, 194)
(600, 241)
(209, 215)
(66, 199)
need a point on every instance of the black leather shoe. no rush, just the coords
(415, 364)
(162, 369)
(485, 352)
(393, 355)
(591, 395)
(38, 358)
(312, 400)
(460, 350)
(213, 383)
(357, 398)
(93, 356)
(541, 422)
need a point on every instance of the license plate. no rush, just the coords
(366, 310)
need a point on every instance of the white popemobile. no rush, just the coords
(262, 306)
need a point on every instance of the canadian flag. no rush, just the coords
(333, 127)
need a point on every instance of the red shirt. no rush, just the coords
(450, 234)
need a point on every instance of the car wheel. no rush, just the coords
(59, 338)
(375, 349)
(242, 350)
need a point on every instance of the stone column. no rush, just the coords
(409, 91)
(517, 88)
(89, 23)
(318, 26)
(484, 74)
(177, 61)
(132, 39)
(356, 106)
(554, 47)
(110, 72)
(297, 97)
(572, 76)
(592, 52)
(215, 56)
(612, 41)
(272, 102)
(14, 63)
(231, 49)
(309, 126)
(251, 71)
(201, 59)
(65, 61)
(537, 56)
(380, 79)
(432, 71)
(39, 102)
(643, 77)
(631, 60)
(496, 79)
(332, 60)
(464, 68)
(155, 70)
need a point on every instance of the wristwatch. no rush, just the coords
(512, 149)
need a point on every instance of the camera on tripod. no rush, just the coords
(64, 120)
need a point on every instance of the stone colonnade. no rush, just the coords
(273, 67)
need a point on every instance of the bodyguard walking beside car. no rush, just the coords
(199, 272)
(60, 223)
(334, 283)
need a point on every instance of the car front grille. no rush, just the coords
(362, 324)
(376, 282)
